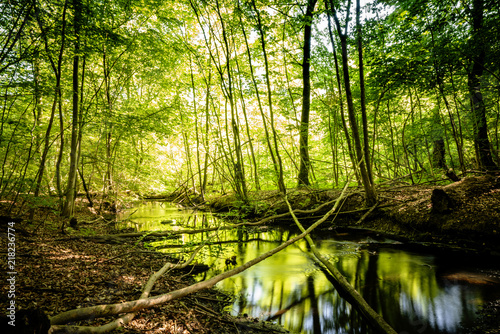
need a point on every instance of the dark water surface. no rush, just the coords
(415, 292)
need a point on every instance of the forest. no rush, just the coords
(229, 105)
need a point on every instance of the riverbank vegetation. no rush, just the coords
(242, 105)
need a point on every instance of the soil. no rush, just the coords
(57, 272)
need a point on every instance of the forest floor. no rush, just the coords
(59, 272)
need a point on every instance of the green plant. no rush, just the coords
(87, 232)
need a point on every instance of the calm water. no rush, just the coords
(416, 292)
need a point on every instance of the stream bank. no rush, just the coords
(462, 215)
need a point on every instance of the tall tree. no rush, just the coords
(370, 194)
(57, 69)
(75, 117)
(364, 118)
(477, 59)
(303, 176)
(239, 179)
(273, 151)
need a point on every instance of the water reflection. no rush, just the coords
(414, 292)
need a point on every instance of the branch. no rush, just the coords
(345, 287)
(127, 317)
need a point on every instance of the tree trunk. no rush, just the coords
(197, 130)
(278, 165)
(370, 194)
(481, 140)
(57, 72)
(108, 174)
(303, 177)
(341, 102)
(247, 128)
(207, 128)
(366, 145)
(71, 188)
(239, 174)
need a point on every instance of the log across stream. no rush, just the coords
(422, 291)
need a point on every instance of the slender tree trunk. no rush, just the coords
(393, 146)
(333, 144)
(61, 149)
(440, 86)
(57, 72)
(481, 140)
(273, 151)
(37, 99)
(427, 149)
(207, 128)
(108, 174)
(457, 111)
(364, 118)
(238, 164)
(294, 117)
(341, 100)
(247, 128)
(278, 165)
(73, 164)
(303, 177)
(375, 123)
(197, 131)
(370, 194)
(190, 174)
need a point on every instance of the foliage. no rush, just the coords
(192, 94)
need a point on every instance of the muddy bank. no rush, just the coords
(463, 214)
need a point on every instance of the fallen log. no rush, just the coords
(127, 317)
(344, 287)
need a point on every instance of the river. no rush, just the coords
(415, 291)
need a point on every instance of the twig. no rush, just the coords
(125, 219)
(367, 214)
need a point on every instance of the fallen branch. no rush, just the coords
(354, 297)
(362, 219)
(127, 317)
